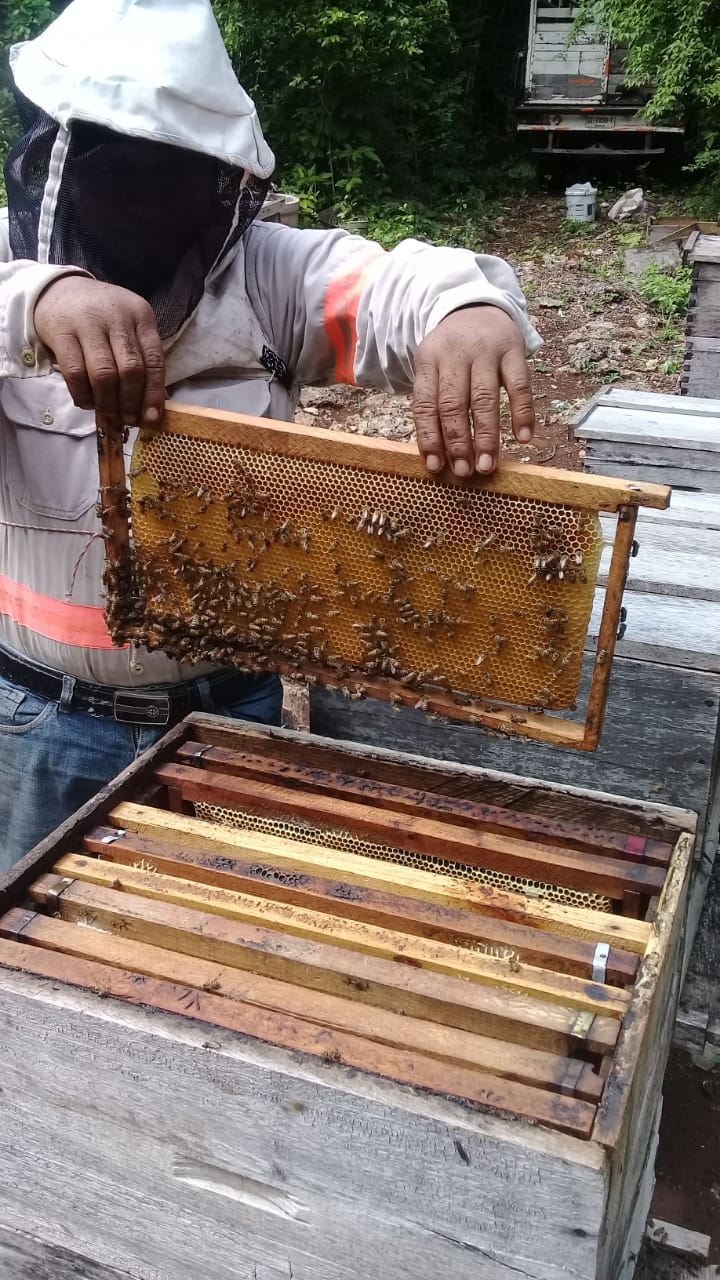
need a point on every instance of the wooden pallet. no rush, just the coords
(494, 959)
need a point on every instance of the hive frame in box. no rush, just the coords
(483, 1190)
(583, 494)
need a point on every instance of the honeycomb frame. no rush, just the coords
(334, 558)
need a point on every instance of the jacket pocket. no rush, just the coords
(50, 455)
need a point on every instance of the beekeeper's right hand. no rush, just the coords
(105, 343)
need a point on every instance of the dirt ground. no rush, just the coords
(687, 1191)
(596, 328)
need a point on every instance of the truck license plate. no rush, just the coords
(596, 121)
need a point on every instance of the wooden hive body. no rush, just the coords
(282, 1040)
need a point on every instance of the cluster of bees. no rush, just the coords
(197, 595)
(551, 561)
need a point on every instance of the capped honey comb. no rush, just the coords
(338, 559)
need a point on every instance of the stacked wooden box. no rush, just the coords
(275, 1007)
(701, 367)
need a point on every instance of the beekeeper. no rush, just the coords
(131, 268)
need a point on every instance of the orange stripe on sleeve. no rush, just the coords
(75, 624)
(342, 302)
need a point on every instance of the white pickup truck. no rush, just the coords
(575, 99)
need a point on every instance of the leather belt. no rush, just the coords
(159, 706)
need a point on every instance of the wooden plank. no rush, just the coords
(396, 458)
(669, 563)
(696, 472)
(578, 806)
(705, 291)
(257, 1174)
(448, 890)
(706, 272)
(657, 982)
(571, 1077)
(710, 346)
(569, 1115)
(707, 249)
(701, 510)
(670, 431)
(425, 836)
(451, 1002)
(316, 926)
(641, 1198)
(241, 763)
(649, 402)
(26, 1257)
(694, 1246)
(427, 920)
(704, 322)
(626, 1116)
(676, 462)
(658, 741)
(607, 635)
(700, 377)
(674, 630)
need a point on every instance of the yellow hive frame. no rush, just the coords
(583, 494)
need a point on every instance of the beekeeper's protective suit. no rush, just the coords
(143, 165)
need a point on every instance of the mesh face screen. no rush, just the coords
(26, 174)
(362, 573)
(140, 214)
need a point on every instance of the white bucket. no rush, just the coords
(580, 200)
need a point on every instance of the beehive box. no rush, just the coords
(274, 1006)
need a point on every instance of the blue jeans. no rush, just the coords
(53, 759)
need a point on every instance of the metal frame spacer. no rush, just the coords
(581, 1027)
(55, 892)
(116, 835)
(600, 962)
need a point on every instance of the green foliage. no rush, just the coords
(366, 100)
(632, 238)
(391, 222)
(337, 82)
(667, 291)
(459, 222)
(370, 105)
(704, 200)
(674, 46)
(19, 20)
(24, 18)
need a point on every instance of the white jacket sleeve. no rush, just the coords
(22, 355)
(338, 308)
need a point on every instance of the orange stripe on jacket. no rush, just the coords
(342, 301)
(80, 625)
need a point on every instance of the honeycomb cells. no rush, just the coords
(361, 573)
(333, 838)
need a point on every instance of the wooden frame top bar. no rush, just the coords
(515, 479)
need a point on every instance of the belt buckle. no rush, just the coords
(142, 708)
